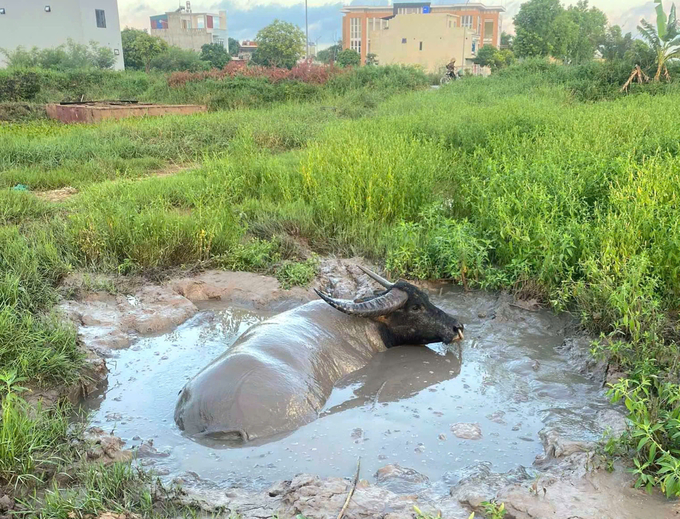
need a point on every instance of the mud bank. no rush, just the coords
(513, 415)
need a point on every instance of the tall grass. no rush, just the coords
(507, 182)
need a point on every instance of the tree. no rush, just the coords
(490, 56)
(664, 39)
(330, 54)
(641, 54)
(582, 32)
(535, 28)
(234, 47)
(371, 59)
(349, 58)
(615, 45)
(139, 48)
(279, 44)
(175, 59)
(506, 40)
(215, 54)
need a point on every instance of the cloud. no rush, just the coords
(244, 19)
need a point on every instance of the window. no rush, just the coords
(421, 45)
(48, 9)
(2, 10)
(216, 22)
(410, 10)
(355, 34)
(488, 31)
(385, 24)
(403, 40)
(116, 52)
(101, 18)
(200, 22)
(466, 21)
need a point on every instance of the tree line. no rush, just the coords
(580, 33)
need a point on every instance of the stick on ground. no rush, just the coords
(351, 491)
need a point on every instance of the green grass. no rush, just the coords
(508, 182)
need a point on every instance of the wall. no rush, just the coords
(27, 24)
(479, 14)
(108, 37)
(441, 40)
(193, 37)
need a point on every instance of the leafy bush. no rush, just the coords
(349, 58)
(70, 56)
(175, 58)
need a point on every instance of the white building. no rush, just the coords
(50, 23)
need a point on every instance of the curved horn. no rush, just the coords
(377, 278)
(379, 305)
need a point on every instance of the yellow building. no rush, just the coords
(417, 33)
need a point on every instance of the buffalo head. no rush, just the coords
(405, 310)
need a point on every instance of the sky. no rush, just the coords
(246, 17)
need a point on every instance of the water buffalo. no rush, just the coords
(279, 373)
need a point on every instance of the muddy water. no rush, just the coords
(405, 407)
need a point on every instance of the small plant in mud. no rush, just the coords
(654, 413)
(494, 510)
(292, 273)
(32, 440)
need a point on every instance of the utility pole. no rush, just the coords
(306, 35)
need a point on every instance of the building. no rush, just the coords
(246, 49)
(50, 23)
(418, 33)
(188, 30)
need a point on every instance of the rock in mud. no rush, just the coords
(108, 322)
(6, 503)
(557, 445)
(467, 431)
(147, 450)
(317, 498)
(243, 288)
(400, 480)
(593, 495)
(479, 483)
(106, 448)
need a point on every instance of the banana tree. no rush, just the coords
(664, 39)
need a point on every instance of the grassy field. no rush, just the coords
(508, 182)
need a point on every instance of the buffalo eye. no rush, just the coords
(415, 308)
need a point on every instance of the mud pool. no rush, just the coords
(405, 407)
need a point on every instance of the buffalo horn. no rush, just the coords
(377, 278)
(379, 305)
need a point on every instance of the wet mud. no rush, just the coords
(441, 427)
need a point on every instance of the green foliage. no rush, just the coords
(490, 56)
(291, 274)
(654, 414)
(507, 40)
(349, 58)
(234, 47)
(174, 59)
(330, 55)
(70, 56)
(493, 510)
(371, 59)
(535, 27)
(140, 48)
(664, 39)
(584, 31)
(31, 441)
(215, 54)
(279, 44)
(615, 45)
